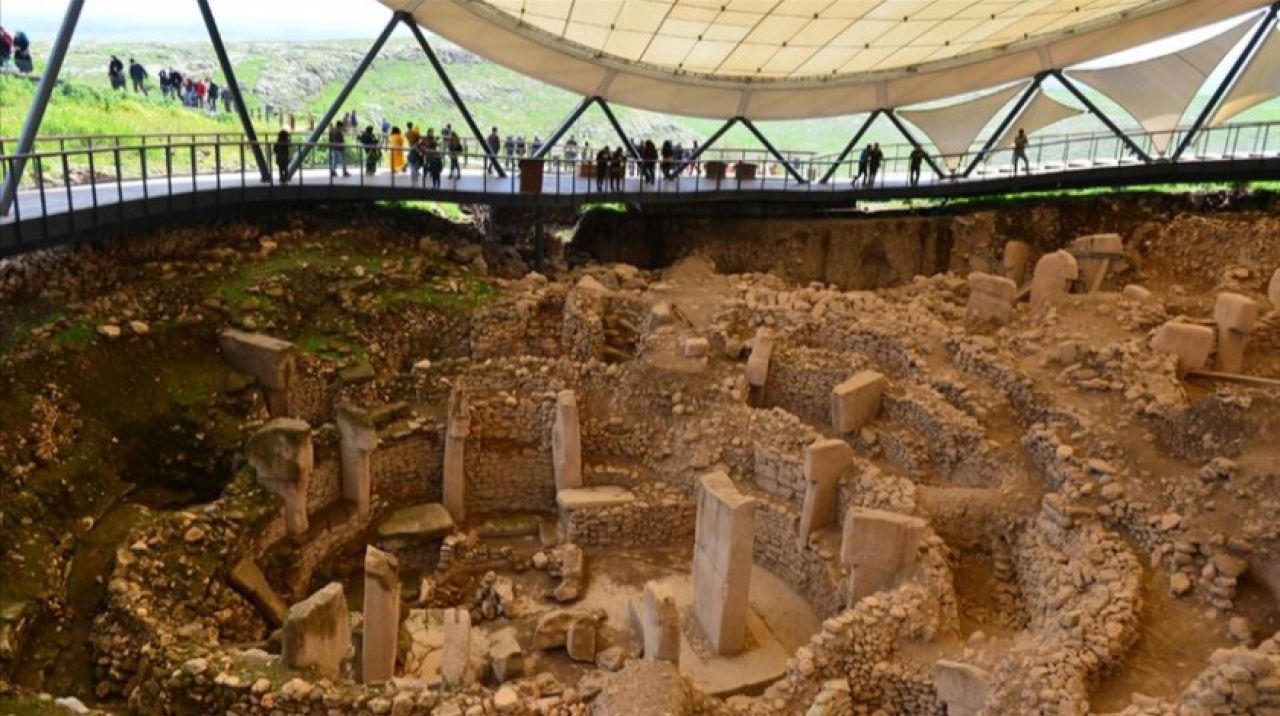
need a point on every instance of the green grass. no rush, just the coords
(473, 293)
(78, 334)
(444, 210)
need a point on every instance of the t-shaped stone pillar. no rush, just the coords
(457, 647)
(566, 442)
(758, 361)
(990, 298)
(317, 632)
(824, 462)
(1054, 275)
(270, 360)
(1094, 254)
(1192, 344)
(357, 439)
(962, 687)
(281, 454)
(1235, 316)
(877, 546)
(455, 441)
(1017, 254)
(722, 553)
(856, 401)
(381, 615)
(660, 623)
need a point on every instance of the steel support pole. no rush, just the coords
(844, 153)
(453, 92)
(710, 141)
(225, 62)
(341, 99)
(617, 127)
(1009, 118)
(564, 127)
(1094, 110)
(911, 138)
(751, 127)
(35, 115)
(1227, 81)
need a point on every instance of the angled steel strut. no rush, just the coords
(573, 118)
(1102, 116)
(1013, 114)
(844, 153)
(912, 139)
(227, 72)
(341, 99)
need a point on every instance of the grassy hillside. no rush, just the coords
(306, 76)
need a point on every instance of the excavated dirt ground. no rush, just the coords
(115, 407)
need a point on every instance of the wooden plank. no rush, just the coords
(1235, 378)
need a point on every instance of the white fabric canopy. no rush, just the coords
(788, 59)
(1040, 113)
(954, 127)
(1157, 92)
(1259, 82)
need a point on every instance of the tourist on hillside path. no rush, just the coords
(22, 53)
(396, 141)
(602, 168)
(1020, 152)
(338, 150)
(283, 151)
(617, 170)
(6, 47)
(214, 91)
(455, 151)
(495, 144)
(372, 154)
(917, 159)
(115, 73)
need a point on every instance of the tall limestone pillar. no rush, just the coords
(877, 548)
(381, 615)
(455, 440)
(357, 439)
(722, 554)
(566, 442)
(282, 455)
(824, 462)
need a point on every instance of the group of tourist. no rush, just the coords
(191, 92)
(15, 48)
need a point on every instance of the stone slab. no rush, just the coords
(1192, 344)
(856, 401)
(594, 498)
(425, 521)
(722, 557)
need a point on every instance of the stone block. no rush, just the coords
(506, 658)
(594, 498)
(272, 361)
(660, 622)
(282, 455)
(381, 616)
(824, 462)
(1017, 255)
(418, 522)
(317, 632)
(877, 547)
(1192, 344)
(1053, 276)
(722, 559)
(249, 579)
(566, 442)
(357, 439)
(456, 653)
(960, 685)
(990, 298)
(695, 348)
(1134, 292)
(758, 361)
(1235, 312)
(855, 402)
(580, 641)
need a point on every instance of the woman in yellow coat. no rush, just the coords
(396, 142)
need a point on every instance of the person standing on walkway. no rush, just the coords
(455, 151)
(495, 144)
(395, 141)
(435, 164)
(617, 170)
(386, 129)
(338, 150)
(509, 148)
(917, 159)
(1020, 152)
(22, 53)
(877, 158)
(372, 153)
(602, 168)
(214, 91)
(864, 158)
(411, 136)
(6, 47)
(668, 154)
(417, 160)
(283, 152)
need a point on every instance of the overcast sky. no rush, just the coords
(156, 20)
(180, 19)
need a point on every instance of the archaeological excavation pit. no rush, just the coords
(373, 464)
